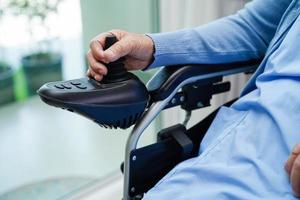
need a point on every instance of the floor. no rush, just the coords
(44, 147)
(108, 189)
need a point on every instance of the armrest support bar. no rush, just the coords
(166, 80)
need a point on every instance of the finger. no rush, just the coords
(88, 73)
(97, 44)
(94, 75)
(289, 164)
(295, 177)
(291, 159)
(117, 50)
(95, 65)
(96, 49)
(101, 38)
(296, 149)
(98, 77)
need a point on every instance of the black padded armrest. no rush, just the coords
(167, 79)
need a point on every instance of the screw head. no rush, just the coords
(134, 158)
(132, 189)
(182, 98)
(173, 101)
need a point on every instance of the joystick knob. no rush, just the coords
(116, 70)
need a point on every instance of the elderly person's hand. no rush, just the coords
(293, 169)
(138, 50)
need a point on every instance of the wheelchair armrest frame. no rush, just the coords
(155, 108)
(165, 81)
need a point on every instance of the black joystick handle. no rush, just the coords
(116, 70)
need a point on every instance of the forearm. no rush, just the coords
(243, 36)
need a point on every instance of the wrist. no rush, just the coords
(150, 45)
(152, 50)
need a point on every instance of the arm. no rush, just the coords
(240, 37)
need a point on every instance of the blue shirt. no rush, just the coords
(244, 151)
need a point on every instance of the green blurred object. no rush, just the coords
(20, 85)
(6, 84)
(40, 68)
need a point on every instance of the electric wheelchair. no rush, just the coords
(121, 100)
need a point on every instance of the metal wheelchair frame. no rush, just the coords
(156, 107)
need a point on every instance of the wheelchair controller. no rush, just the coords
(117, 101)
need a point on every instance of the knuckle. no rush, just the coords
(119, 33)
(92, 43)
(93, 65)
(118, 48)
(134, 43)
(296, 165)
(296, 149)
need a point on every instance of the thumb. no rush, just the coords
(117, 50)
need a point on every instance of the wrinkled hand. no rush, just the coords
(292, 167)
(138, 50)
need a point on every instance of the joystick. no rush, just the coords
(116, 70)
(117, 101)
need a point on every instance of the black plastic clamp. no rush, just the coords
(178, 132)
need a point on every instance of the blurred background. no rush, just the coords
(47, 153)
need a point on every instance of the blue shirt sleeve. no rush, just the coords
(243, 36)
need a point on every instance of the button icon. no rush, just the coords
(66, 87)
(59, 87)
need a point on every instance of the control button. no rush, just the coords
(81, 87)
(75, 83)
(59, 87)
(67, 87)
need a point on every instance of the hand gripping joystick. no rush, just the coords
(117, 101)
(116, 71)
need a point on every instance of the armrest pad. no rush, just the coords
(167, 79)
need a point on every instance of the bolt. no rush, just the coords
(182, 98)
(133, 158)
(132, 189)
(173, 101)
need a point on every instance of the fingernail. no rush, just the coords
(98, 78)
